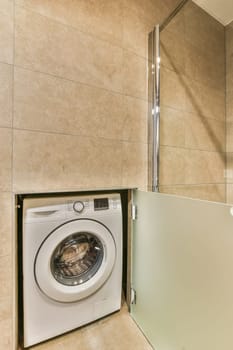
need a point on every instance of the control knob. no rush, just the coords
(78, 206)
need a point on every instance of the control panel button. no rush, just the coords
(78, 206)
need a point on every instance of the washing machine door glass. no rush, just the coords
(77, 258)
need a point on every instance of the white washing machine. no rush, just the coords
(72, 263)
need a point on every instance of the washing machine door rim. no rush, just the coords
(47, 280)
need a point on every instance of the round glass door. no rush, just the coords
(74, 260)
(77, 258)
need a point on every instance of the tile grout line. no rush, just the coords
(29, 9)
(114, 92)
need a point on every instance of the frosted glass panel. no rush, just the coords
(182, 271)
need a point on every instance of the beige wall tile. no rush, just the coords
(5, 309)
(229, 127)
(204, 133)
(153, 10)
(229, 193)
(52, 104)
(204, 167)
(173, 89)
(172, 127)
(6, 335)
(214, 193)
(66, 52)
(229, 105)
(5, 276)
(135, 75)
(134, 165)
(55, 162)
(5, 159)
(173, 50)
(102, 18)
(205, 100)
(136, 120)
(5, 224)
(6, 92)
(229, 167)
(135, 33)
(6, 32)
(172, 165)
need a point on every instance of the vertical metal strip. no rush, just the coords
(156, 112)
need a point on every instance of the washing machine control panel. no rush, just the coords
(78, 206)
(101, 204)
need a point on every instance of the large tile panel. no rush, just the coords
(47, 103)
(172, 166)
(215, 192)
(172, 127)
(6, 92)
(47, 46)
(6, 31)
(5, 224)
(102, 18)
(203, 167)
(134, 165)
(5, 159)
(204, 133)
(47, 162)
(135, 75)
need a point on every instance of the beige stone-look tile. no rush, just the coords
(172, 166)
(135, 75)
(135, 33)
(47, 46)
(173, 89)
(5, 224)
(102, 18)
(6, 31)
(215, 192)
(5, 308)
(52, 104)
(229, 167)
(229, 190)
(48, 103)
(173, 50)
(6, 91)
(5, 276)
(134, 165)
(204, 167)
(202, 29)
(5, 159)
(152, 10)
(172, 127)
(6, 338)
(136, 120)
(229, 136)
(44, 161)
(204, 133)
(229, 40)
(229, 102)
(204, 100)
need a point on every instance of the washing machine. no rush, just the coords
(72, 263)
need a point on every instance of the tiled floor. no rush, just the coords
(115, 332)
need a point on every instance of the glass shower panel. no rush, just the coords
(182, 259)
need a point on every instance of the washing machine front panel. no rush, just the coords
(75, 260)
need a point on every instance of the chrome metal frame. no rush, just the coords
(154, 96)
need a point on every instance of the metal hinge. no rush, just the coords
(134, 212)
(133, 298)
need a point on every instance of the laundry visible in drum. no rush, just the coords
(76, 256)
